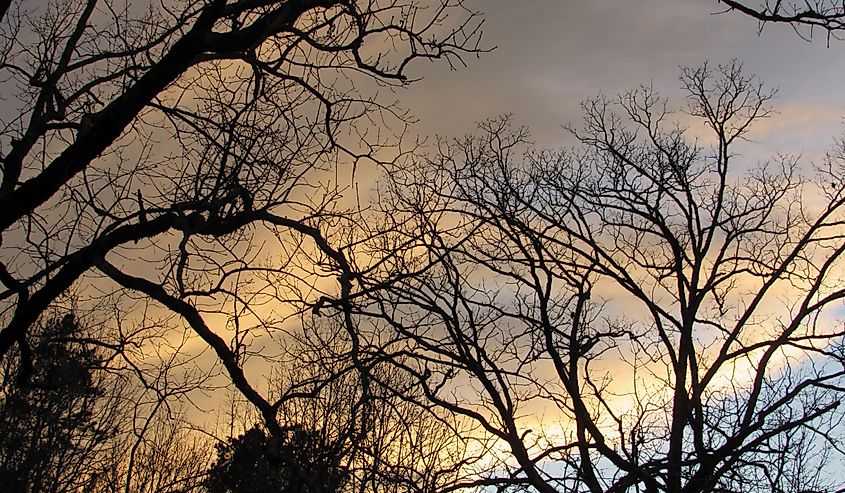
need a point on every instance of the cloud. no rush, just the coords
(551, 55)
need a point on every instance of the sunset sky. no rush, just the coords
(237, 246)
(551, 55)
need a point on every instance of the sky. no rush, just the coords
(550, 55)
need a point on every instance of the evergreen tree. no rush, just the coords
(258, 463)
(52, 424)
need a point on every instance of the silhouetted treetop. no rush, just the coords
(298, 462)
(54, 425)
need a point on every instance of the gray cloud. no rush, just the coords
(553, 54)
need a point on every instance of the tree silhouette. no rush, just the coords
(644, 312)
(81, 421)
(55, 429)
(256, 462)
(380, 436)
(181, 153)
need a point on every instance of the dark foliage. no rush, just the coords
(50, 424)
(256, 462)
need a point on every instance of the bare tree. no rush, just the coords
(644, 312)
(187, 153)
(374, 434)
(163, 456)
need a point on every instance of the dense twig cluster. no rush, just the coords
(186, 158)
(636, 314)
